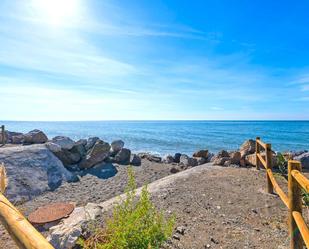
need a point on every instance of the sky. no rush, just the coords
(154, 60)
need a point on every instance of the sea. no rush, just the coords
(168, 137)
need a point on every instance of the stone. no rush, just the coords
(174, 170)
(235, 157)
(35, 137)
(150, 157)
(177, 157)
(123, 156)
(251, 160)
(68, 157)
(187, 161)
(201, 153)
(222, 153)
(9, 134)
(64, 142)
(18, 139)
(68, 231)
(168, 159)
(32, 170)
(304, 159)
(220, 160)
(53, 147)
(135, 160)
(91, 142)
(181, 230)
(248, 147)
(98, 153)
(79, 148)
(117, 145)
(201, 160)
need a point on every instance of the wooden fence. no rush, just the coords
(299, 232)
(3, 137)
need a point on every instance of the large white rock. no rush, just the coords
(32, 170)
(66, 233)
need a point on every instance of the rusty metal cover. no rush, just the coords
(51, 212)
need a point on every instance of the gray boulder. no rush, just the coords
(32, 170)
(9, 134)
(123, 156)
(304, 159)
(35, 137)
(18, 139)
(117, 146)
(177, 157)
(135, 160)
(247, 148)
(64, 142)
(185, 160)
(150, 157)
(235, 157)
(79, 148)
(91, 142)
(201, 160)
(221, 161)
(98, 154)
(168, 159)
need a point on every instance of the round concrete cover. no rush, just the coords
(51, 212)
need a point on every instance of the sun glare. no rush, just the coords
(56, 12)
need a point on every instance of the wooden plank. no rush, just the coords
(257, 151)
(262, 160)
(277, 188)
(303, 228)
(301, 179)
(261, 143)
(295, 204)
(268, 157)
(21, 231)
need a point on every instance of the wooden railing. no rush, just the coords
(3, 137)
(299, 232)
(19, 228)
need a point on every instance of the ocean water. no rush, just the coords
(164, 137)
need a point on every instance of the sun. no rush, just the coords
(56, 12)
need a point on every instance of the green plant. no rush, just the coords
(282, 164)
(135, 223)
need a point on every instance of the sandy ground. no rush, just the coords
(219, 207)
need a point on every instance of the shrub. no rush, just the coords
(282, 164)
(135, 223)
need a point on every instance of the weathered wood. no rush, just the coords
(295, 204)
(268, 166)
(301, 179)
(259, 141)
(277, 188)
(262, 161)
(303, 228)
(257, 151)
(21, 231)
(3, 134)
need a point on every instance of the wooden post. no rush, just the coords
(295, 204)
(268, 156)
(3, 134)
(257, 151)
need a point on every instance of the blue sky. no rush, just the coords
(140, 60)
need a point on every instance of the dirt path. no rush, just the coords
(218, 207)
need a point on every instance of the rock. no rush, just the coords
(168, 159)
(187, 161)
(304, 159)
(174, 170)
(227, 163)
(181, 230)
(99, 152)
(32, 170)
(177, 157)
(68, 231)
(64, 142)
(235, 157)
(150, 157)
(68, 158)
(123, 156)
(201, 160)
(35, 137)
(135, 160)
(79, 148)
(53, 147)
(91, 142)
(248, 147)
(222, 153)
(201, 153)
(251, 160)
(9, 134)
(18, 139)
(117, 146)
(220, 161)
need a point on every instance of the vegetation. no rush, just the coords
(282, 164)
(135, 224)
